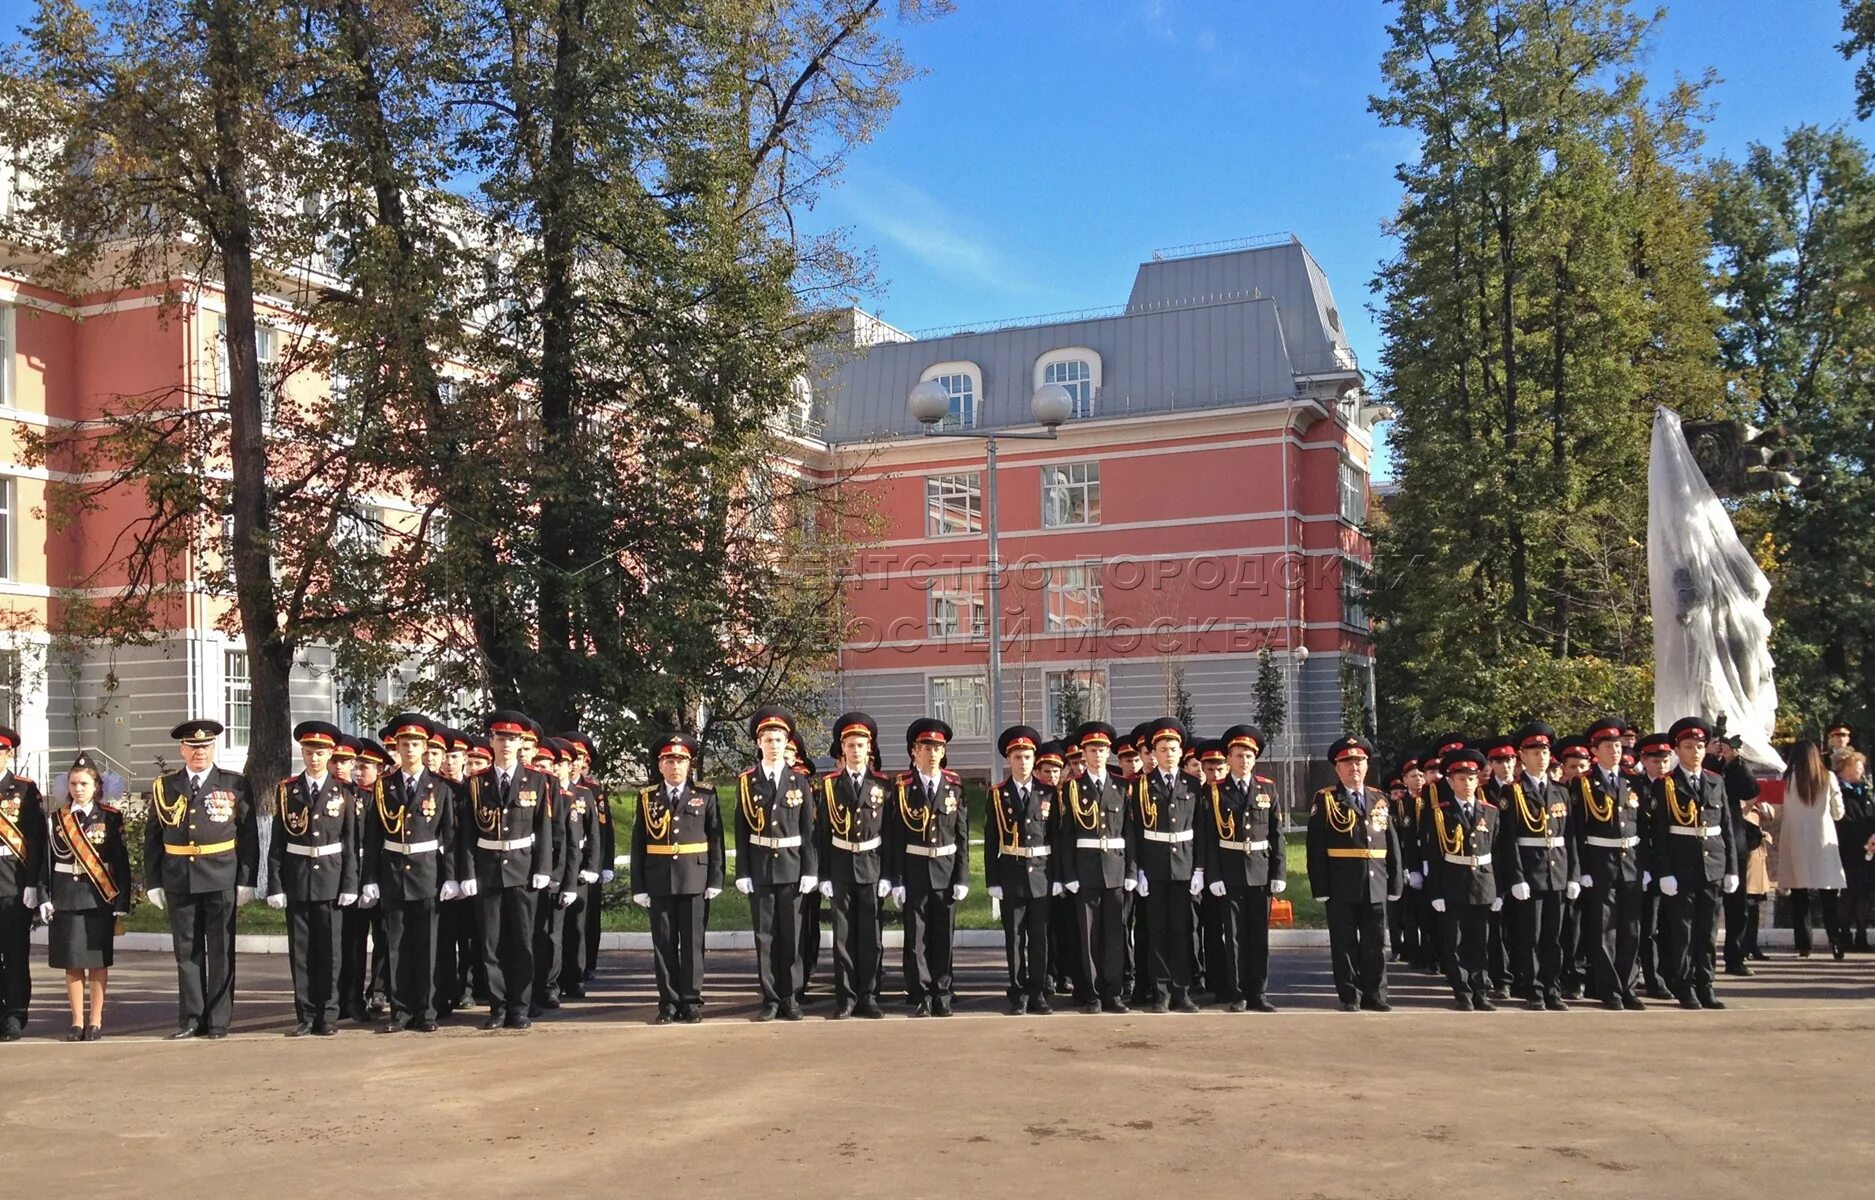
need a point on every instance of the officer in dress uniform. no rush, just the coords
(850, 810)
(1500, 761)
(1574, 757)
(456, 948)
(775, 855)
(1457, 839)
(1240, 848)
(539, 753)
(509, 856)
(1537, 865)
(1139, 936)
(312, 868)
(1403, 928)
(928, 857)
(579, 865)
(1355, 867)
(1019, 832)
(1098, 870)
(1431, 770)
(676, 870)
(580, 948)
(1605, 818)
(1696, 861)
(408, 866)
(1165, 806)
(22, 885)
(363, 974)
(201, 853)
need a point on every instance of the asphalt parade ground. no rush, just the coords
(1768, 1098)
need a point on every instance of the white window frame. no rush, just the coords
(9, 527)
(1352, 488)
(237, 695)
(1062, 483)
(970, 414)
(1353, 581)
(1074, 599)
(12, 684)
(9, 355)
(968, 715)
(266, 351)
(1087, 397)
(953, 492)
(1053, 682)
(957, 607)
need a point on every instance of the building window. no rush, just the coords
(8, 330)
(359, 531)
(953, 504)
(964, 383)
(1071, 495)
(266, 349)
(956, 606)
(11, 687)
(1354, 590)
(1075, 368)
(1353, 493)
(8, 526)
(237, 698)
(1074, 697)
(962, 702)
(1074, 598)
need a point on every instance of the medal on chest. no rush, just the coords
(219, 806)
(427, 806)
(11, 807)
(1377, 816)
(94, 834)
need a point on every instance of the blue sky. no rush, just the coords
(1053, 144)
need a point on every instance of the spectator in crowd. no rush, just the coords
(1855, 838)
(1809, 866)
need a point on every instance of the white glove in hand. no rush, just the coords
(1321, 899)
(708, 894)
(31, 898)
(539, 883)
(1278, 886)
(996, 893)
(959, 891)
(643, 899)
(589, 877)
(885, 888)
(45, 912)
(826, 889)
(1131, 883)
(898, 896)
(1197, 882)
(809, 883)
(469, 887)
(367, 895)
(1588, 881)
(1669, 886)
(607, 875)
(1073, 886)
(1054, 889)
(277, 900)
(1217, 889)
(1647, 879)
(1520, 891)
(1572, 889)
(1415, 880)
(1497, 903)
(567, 898)
(1438, 905)
(1730, 884)
(745, 886)
(244, 895)
(451, 890)
(347, 899)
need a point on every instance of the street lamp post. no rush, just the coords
(1051, 406)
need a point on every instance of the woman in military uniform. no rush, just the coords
(90, 890)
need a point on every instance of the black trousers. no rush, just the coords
(1064, 950)
(1168, 939)
(312, 942)
(775, 911)
(1207, 965)
(1537, 963)
(16, 975)
(547, 941)
(1357, 947)
(573, 920)
(410, 948)
(1653, 939)
(1611, 921)
(1139, 947)
(813, 907)
(1801, 900)
(1570, 973)
(1025, 943)
(930, 922)
(1102, 943)
(594, 900)
(1464, 943)
(1242, 914)
(201, 930)
(1428, 922)
(856, 958)
(354, 956)
(1497, 949)
(1689, 920)
(456, 954)
(506, 917)
(1855, 905)
(677, 924)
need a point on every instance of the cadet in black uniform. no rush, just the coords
(775, 860)
(458, 951)
(1537, 865)
(22, 886)
(1354, 869)
(539, 754)
(676, 870)
(813, 904)
(850, 810)
(201, 853)
(87, 893)
(509, 851)
(1457, 834)
(1606, 822)
(1165, 805)
(1131, 752)
(1019, 830)
(1696, 861)
(1064, 956)
(928, 860)
(1656, 759)
(1404, 930)
(580, 945)
(363, 974)
(1240, 848)
(1097, 869)
(408, 866)
(312, 871)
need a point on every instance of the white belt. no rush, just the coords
(1548, 843)
(1154, 835)
(856, 847)
(1246, 847)
(68, 868)
(1608, 843)
(1469, 860)
(6, 851)
(411, 847)
(944, 851)
(1107, 843)
(520, 843)
(775, 843)
(1025, 851)
(305, 851)
(1698, 831)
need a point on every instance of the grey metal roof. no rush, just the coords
(1199, 331)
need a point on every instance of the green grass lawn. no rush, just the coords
(731, 910)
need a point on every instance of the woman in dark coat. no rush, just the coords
(90, 890)
(1853, 834)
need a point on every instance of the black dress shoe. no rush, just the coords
(1372, 1005)
(303, 1029)
(1462, 1003)
(1259, 1004)
(375, 1010)
(573, 991)
(1836, 953)
(1116, 1006)
(519, 1022)
(1499, 992)
(1039, 1006)
(768, 1012)
(1235, 1006)
(550, 1001)
(1184, 1004)
(663, 1018)
(1483, 1003)
(869, 1012)
(356, 1014)
(692, 1016)
(1555, 1003)
(1740, 970)
(840, 1012)
(494, 1021)
(1707, 999)
(591, 975)
(181, 1035)
(1659, 991)
(1018, 1006)
(324, 1031)
(1633, 1003)
(1613, 1003)
(1350, 1006)
(534, 1011)
(791, 1012)
(216, 1035)
(1533, 1003)
(1760, 956)
(77, 1034)
(1688, 1001)
(1572, 992)
(1090, 1007)
(394, 1025)
(94, 1033)
(1159, 1006)
(941, 1007)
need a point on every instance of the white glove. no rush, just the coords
(1520, 891)
(1497, 903)
(642, 899)
(1322, 899)
(367, 895)
(826, 889)
(959, 891)
(244, 895)
(1730, 884)
(898, 896)
(277, 900)
(1438, 904)
(468, 888)
(607, 875)
(347, 899)
(567, 898)
(1217, 889)
(156, 898)
(745, 886)
(1572, 889)
(1197, 882)
(1647, 879)
(31, 898)
(1669, 886)
(539, 883)
(1415, 880)
(1278, 886)
(589, 877)
(1073, 887)
(809, 883)
(45, 912)
(708, 894)
(885, 888)
(451, 890)
(1131, 885)
(1588, 881)
(1054, 889)
(996, 893)
(1145, 887)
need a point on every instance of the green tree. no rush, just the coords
(1858, 21)
(1269, 695)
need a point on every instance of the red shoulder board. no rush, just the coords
(748, 771)
(871, 774)
(950, 776)
(110, 808)
(1264, 779)
(1485, 801)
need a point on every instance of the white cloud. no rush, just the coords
(927, 229)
